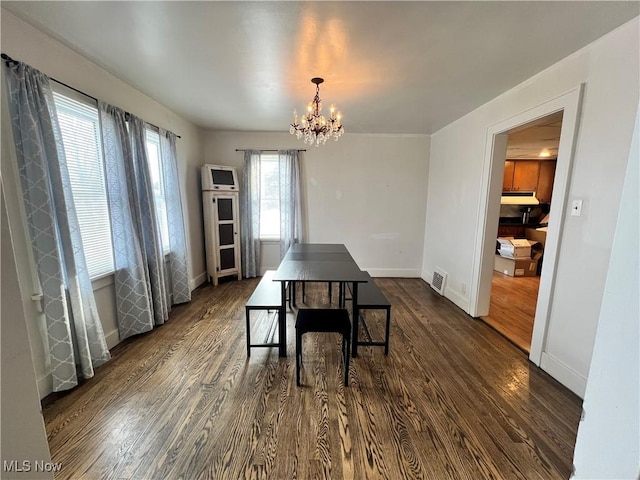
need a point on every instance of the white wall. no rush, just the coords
(23, 437)
(608, 443)
(366, 191)
(609, 68)
(29, 45)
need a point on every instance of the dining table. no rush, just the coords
(318, 262)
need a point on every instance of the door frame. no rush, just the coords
(489, 209)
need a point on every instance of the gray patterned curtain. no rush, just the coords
(250, 214)
(74, 332)
(178, 267)
(142, 296)
(290, 200)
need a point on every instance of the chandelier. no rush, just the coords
(314, 127)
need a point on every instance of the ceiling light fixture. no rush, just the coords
(314, 127)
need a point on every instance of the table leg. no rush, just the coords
(356, 319)
(282, 320)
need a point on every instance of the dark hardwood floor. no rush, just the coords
(452, 400)
(512, 309)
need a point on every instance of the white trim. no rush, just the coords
(112, 338)
(45, 385)
(393, 272)
(456, 297)
(102, 281)
(197, 281)
(564, 374)
(484, 242)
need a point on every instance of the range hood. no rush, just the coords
(519, 198)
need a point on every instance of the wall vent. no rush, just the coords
(439, 279)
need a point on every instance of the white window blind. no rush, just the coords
(157, 180)
(269, 197)
(80, 128)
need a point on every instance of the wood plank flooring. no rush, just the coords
(512, 309)
(452, 400)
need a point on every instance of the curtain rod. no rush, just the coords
(267, 150)
(8, 60)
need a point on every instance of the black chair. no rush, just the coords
(324, 320)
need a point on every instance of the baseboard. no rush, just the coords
(197, 281)
(457, 298)
(45, 385)
(565, 375)
(112, 338)
(393, 272)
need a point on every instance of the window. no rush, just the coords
(269, 197)
(80, 129)
(157, 182)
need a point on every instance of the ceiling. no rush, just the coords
(390, 67)
(536, 140)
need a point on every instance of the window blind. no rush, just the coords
(157, 180)
(79, 124)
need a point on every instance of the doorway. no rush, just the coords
(525, 204)
(489, 212)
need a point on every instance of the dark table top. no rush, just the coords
(318, 248)
(319, 263)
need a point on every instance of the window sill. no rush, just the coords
(102, 281)
(106, 279)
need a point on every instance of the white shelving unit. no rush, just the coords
(220, 197)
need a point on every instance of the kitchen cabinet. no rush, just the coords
(530, 176)
(507, 182)
(545, 180)
(516, 231)
(520, 175)
(525, 175)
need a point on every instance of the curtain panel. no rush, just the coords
(75, 337)
(250, 214)
(178, 266)
(143, 291)
(290, 200)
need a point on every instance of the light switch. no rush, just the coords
(576, 208)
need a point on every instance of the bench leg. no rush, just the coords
(298, 356)
(386, 337)
(346, 353)
(330, 293)
(248, 332)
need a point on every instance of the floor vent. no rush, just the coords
(439, 279)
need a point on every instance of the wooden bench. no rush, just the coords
(266, 296)
(370, 297)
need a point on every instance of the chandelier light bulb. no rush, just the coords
(313, 127)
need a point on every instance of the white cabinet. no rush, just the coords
(222, 234)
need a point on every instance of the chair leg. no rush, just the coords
(330, 293)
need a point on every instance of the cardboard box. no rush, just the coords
(515, 247)
(516, 267)
(537, 235)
